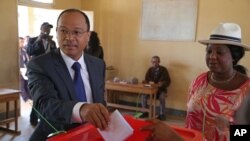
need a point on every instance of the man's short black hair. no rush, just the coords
(75, 10)
(156, 57)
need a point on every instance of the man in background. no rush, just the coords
(42, 43)
(159, 75)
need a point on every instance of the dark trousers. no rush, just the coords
(24, 89)
(33, 116)
(162, 99)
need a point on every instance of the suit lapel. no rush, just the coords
(63, 73)
(90, 69)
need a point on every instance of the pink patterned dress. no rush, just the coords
(206, 103)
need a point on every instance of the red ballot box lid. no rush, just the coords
(88, 132)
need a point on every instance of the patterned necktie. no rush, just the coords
(78, 82)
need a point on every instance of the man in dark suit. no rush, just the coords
(42, 43)
(52, 76)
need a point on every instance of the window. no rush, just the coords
(44, 1)
(37, 3)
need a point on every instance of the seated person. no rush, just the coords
(157, 74)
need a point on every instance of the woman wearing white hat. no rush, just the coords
(215, 95)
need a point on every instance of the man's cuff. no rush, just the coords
(76, 118)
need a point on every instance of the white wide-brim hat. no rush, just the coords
(226, 33)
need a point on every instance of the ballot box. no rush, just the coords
(88, 132)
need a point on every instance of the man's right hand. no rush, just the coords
(96, 114)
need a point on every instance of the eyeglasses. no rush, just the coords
(75, 33)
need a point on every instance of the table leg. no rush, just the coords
(9, 99)
(154, 107)
(16, 115)
(7, 113)
(150, 107)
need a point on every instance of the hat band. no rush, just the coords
(221, 37)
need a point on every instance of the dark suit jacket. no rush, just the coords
(35, 48)
(53, 90)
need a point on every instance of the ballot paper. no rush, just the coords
(118, 129)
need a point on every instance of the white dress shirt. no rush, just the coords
(85, 77)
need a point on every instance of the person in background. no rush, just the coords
(215, 97)
(26, 41)
(157, 74)
(67, 85)
(42, 43)
(242, 115)
(94, 46)
(23, 61)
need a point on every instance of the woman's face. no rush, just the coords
(219, 58)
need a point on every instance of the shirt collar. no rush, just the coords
(69, 61)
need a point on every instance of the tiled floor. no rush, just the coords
(26, 129)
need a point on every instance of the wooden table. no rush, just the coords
(7, 95)
(136, 89)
